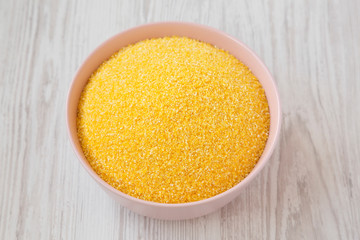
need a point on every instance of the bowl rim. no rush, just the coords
(238, 186)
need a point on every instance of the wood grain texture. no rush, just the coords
(310, 189)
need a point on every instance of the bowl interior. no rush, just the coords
(199, 32)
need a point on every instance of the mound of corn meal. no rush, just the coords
(173, 120)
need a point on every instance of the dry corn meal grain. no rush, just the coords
(173, 120)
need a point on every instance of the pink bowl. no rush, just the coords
(195, 31)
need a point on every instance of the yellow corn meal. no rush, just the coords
(173, 120)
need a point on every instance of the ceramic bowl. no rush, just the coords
(195, 31)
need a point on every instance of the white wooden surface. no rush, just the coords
(310, 189)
